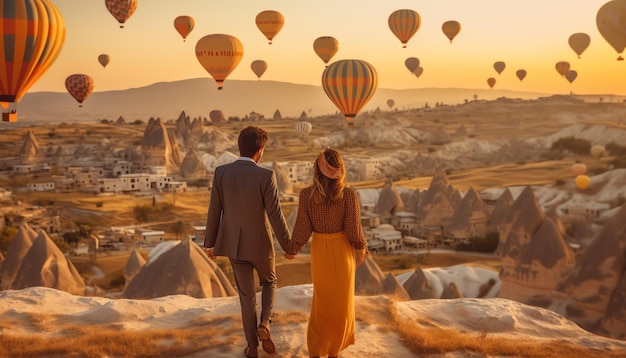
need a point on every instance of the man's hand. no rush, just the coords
(209, 253)
(289, 257)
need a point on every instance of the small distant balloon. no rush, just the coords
(491, 82)
(611, 24)
(391, 103)
(216, 116)
(258, 67)
(597, 151)
(349, 84)
(404, 24)
(521, 74)
(325, 47)
(412, 63)
(418, 71)
(579, 168)
(79, 86)
(303, 128)
(582, 181)
(579, 42)
(451, 29)
(499, 66)
(269, 23)
(104, 60)
(562, 67)
(571, 75)
(184, 24)
(121, 10)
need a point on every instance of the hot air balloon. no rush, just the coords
(579, 42)
(412, 63)
(349, 84)
(451, 29)
(79, 86)
(562, 67)
(418, 71)
(521, 74)
(597, 151)
(491, 82)
(303, 128)
(33, 34)
(404, 24)
(184, 24)
(258, 67)
(499, 66)
(571, 75)
(219, 54)
(611, 24)
(582, 181)
(390, 103)
(216, 116)
(104, 60)
(579, 168)
(121, 10)
(270, 22)
(325, 47)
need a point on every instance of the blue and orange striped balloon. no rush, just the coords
(404, 24)
(350, 84)
(33, 33)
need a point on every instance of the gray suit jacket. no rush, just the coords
(244, 202)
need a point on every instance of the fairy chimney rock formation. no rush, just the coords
(451, 291)
(159, 147)
(133, 266)
(389, 201)
(30, 146)
(418, 287)
(500, 212)
(470, 217)
(192, 167)
(368, 279)
(282, 179)
(18, 248)
(523, 220)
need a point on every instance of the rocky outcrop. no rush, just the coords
(191, 166)
(389, 200)
(451, 291)
(18, 248)
(30, 146)
(133, 266)
(418, 287)
(501, 211)
(282, 179)
(159, 147)
(470, 217)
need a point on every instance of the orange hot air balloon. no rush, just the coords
(611, 24)
(349, 84)
(579, 168)
(270, 22)
(579, 42)
(33, 33)
(219, 54)
(404, 24)
(79, 86)
(491, 82)
(121, 10)
(184, 24)
(597, 151)
(412, 63)
(258, 67)
(418, 71)
(562, 67)
(582, 181)
(325, 47)
(104, 60)
(571, 75)
(521, 74)
(499, 66)
(451, 29)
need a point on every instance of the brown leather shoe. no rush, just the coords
(251, 352)
(266, 339)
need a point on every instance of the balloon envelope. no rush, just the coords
(499, 66)
(184, 24)
(404, 24)
(582, 181)
(562, 67)
(121, 10)
(270, 22)
(219, 54)
(391, 103)
(349, 84)
(104, 60)
(33, 34)
(325, 47)
(258, 67)
(597, 151)
(418, 71)
(521, 74)
(216, 116)
(579, 168)
(571, 75)
(611, 23)
(451, 29)
(491, 82)
(303, 128)
(412, 63)
(579, 42)
(79, 86)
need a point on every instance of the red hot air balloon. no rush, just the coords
(184, 24)
(349, 84)
(79, 86)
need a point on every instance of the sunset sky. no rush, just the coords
(525, 34)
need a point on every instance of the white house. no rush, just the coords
(152, 237)
(369, 168)
(385, 234)
(299, 172)
(46, 186)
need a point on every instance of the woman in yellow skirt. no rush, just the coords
(330, 211)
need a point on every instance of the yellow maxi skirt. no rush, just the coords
(331, 324)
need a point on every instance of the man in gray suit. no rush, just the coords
(244, 202)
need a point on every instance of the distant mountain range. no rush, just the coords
(198, 96)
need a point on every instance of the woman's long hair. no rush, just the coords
(324, 188)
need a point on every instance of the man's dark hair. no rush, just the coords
(251, 139)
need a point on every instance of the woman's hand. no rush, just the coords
(289, 257)
(359, 255)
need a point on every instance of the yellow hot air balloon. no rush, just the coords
(571, 75)
(579, 42)
(582, 181)
(325, 47)
(258, 67)
(121, 10)
(184, 24)
(562, 67)
(579, 168)
(303, 128)
(391, 103)
(597, 151)
(79, 86)
(499, 66)
(349, 84)
(270, 22)
(451, 29)
(611, 23)
(33, 33)
(412, 63)
(491, 82)
(521, 74)
(404, 24)
(104, 60)
(219, 54)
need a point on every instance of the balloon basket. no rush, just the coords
(9, 117)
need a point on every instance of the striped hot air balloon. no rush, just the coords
(79, 86)
(121, 10)
(349, 84)
(270, 22)
(404, 24)
(303, 128)
(33, 33)
(184, 24)
(219, 54)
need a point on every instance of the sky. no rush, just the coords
(525, 34)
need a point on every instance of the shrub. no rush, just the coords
(572, 144)
(559, 182)
(489, 243)
(99, 204)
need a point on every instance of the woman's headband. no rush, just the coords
(328, 170)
